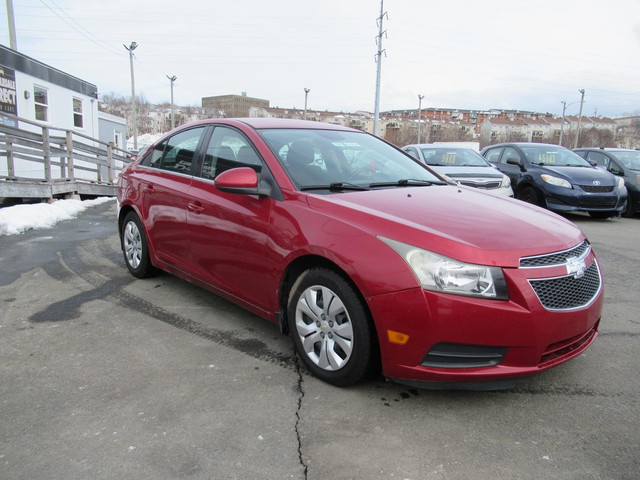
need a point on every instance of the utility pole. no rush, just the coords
(420, 97)
(134, 117)
(381, 32)
(564, 109)
(13, 44)
(306, 93)
(173, 121)
(575, 142)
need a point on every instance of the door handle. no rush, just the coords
(195, 208)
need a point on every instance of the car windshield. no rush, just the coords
(336, 160)
(631, 160)
(551, 156)
(459, 157)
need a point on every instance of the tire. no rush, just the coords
(135, 248)
(602, 215)
(331, 329)
(529, 195)
(630, 211)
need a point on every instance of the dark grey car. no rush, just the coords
(623, 163)
(556, 178)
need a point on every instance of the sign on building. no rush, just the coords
(8, 91)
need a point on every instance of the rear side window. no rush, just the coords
(175, 154)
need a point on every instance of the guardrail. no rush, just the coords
(68, 162)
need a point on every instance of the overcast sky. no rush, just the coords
(477, 54)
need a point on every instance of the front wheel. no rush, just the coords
(135, 248)
(330, 326)
(529, 195)
(602, 215)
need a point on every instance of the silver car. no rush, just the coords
(463, 165)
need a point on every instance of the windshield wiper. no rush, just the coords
(407, 182)
(335, 187)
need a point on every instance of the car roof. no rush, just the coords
(266, 123)
(524, 144)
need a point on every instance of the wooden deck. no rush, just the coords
(41, 161)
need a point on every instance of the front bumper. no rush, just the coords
(576, 200)
(513, 339)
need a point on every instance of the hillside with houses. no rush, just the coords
(400, 127)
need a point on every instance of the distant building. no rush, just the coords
(232, 106)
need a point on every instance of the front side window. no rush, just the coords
(510, 153)
(493, 155)
(601, 159)
(175, 154)
(41, 101)
(228, 149)
(77, 113)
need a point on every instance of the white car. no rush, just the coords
(463, 165)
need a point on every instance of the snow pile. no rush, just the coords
(20, 218)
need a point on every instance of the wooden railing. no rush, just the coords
(68, 161)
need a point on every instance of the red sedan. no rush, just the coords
(370, 260)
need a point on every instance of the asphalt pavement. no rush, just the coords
(103, 376)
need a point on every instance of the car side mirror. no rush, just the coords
(242, 180)
(515, 161)
(593, 163)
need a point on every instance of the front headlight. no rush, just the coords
(620, 183)
(443, 274)
(506, 181)
(558, 182)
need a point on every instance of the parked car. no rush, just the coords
(369, 266)
(556, 178)
(624, 163)
(463, 165)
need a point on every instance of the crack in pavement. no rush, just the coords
(300, 391)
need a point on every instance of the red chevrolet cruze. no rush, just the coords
(370, 260)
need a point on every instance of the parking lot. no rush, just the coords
(104, 376)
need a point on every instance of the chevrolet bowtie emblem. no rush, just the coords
(576, 267)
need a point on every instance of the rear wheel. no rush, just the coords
(330, 326)
(135, 248)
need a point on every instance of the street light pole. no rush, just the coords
(306, 93)
(575, 142)
(420, 97)
(13, 43)
(564, 109)
(173, 121)
(134, 118)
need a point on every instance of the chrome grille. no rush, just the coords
(556, 258)
(568, 293)
(487, 185)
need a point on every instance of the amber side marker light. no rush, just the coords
(397, 337)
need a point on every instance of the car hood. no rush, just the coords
(458, 222)
(583, 175)
(468, 172)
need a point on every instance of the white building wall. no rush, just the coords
(60, 105)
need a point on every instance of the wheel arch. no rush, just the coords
(306, 262)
